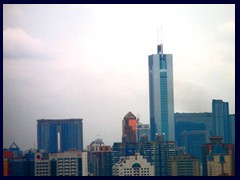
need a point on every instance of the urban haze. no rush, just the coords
(91, 62)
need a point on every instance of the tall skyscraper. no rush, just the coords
(59, 135)
(221, 124)
(129, 128)
(161, 94)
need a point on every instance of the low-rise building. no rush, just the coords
(133, 166)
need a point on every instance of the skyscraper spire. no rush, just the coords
(160, 46)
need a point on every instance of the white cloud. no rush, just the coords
(19, 44)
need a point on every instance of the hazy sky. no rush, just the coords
(91, 62)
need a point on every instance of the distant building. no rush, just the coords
(133, 166)
(220, 119)
(15, 163)
(129, 128)
(161, 99)
(124, 149)
(100, 159)
(232, 128)
(158, 152)
(143, 130)
(42, 164)
(69, 163)
(186, 122)
(102, 162)
(183, 165)
(218, 158)
(193, 141)
(59, 135)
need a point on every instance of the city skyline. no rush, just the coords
(91, 62)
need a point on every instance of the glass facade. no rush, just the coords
(220, 120)
(161, 95)
(71, 134)
(129, 128)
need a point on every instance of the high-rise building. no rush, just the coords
(59, 135)
(220, 119)
(192, 122)
(129, 128)
(134, 165)
(232, 128)
(161, 94)
(183, 165)
(100, 159)
(193, 141)
(218, 159)
(158, 152)
(143, 130)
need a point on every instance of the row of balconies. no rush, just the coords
(73, 169)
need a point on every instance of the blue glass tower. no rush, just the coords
(161, 94)
(220, 119)
(59, 135)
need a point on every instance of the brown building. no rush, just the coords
(218, 158)
(183, 165)
(129, 128)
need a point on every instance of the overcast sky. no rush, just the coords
(91, 62)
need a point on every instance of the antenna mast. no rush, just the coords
(159, 46)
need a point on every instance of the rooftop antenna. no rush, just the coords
(161, 34)
(159, 46)
(161, 43)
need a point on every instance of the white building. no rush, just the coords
(42, 165)
(69, 163)
(133, 166)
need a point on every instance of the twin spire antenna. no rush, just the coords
(158, 36)
(159, 46)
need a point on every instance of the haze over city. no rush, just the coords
(91, 62)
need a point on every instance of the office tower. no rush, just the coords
(158, 152)
(191, 122)
(134, 165)
(218, 158)
(220, 119)
(183, 165)
(129, 128)
(161, 94)
(59, 135)
(232, 128)
(193, 141)
(92, 147)
(102, 161)
(116, 152)
(143, 130)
